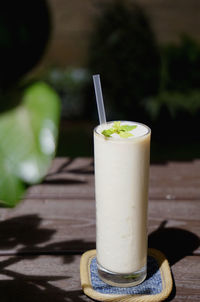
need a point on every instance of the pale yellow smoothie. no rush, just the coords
(121, 192)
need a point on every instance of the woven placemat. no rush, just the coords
(156, 287)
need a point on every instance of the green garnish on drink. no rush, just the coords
(122, 130)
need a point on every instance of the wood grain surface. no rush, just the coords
(42, 239)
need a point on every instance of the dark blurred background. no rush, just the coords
(147, 53)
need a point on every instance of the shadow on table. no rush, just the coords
(23, 238)
(26, 237)
(70, 166)
(23, 231)
(63, 181)
(24, 289)
(175, 244)
(69, 172)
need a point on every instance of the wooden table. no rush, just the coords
(42, 239)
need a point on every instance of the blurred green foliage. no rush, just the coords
(178, 100)
(181, 65)
(70, 84)
(175, 102)
(123, 50)
(141, 80)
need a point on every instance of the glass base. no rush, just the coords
(122, 280)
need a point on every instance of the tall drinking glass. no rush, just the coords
(121, 192)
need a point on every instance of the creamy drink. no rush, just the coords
(121, 152)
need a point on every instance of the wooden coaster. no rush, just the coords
(157, 286)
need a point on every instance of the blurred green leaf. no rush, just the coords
(28, 135)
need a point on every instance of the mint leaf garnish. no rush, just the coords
(107, 132)
(122, 130)
(125, 134)
(116, 126)
(127, 127)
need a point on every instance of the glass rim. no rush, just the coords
(123, 139)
